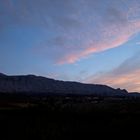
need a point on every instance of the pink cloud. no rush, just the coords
(129, 81)
(125, 75)
(72, 58)
(87, 30)
(110, 39)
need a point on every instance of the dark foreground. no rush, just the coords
(57, 117)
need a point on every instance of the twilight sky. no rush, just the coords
(91, 41)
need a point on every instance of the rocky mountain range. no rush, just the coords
(32, 84)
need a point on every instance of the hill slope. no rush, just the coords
(37, 84)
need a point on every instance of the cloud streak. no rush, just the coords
(112, 26)
(125, 76)
(113, 36)
(94, 48)
(85, 26)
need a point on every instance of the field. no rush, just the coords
(53, 117)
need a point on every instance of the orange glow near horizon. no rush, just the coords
(129, 81)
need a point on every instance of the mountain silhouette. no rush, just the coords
(32, 84)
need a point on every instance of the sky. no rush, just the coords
(89, 41)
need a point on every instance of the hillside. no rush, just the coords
(32, 84)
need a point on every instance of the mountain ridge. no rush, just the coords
(38, 84)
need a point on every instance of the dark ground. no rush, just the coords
(57, 117)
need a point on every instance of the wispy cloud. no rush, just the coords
(95, 48)
(111, 35)
(112, 26)
(85, 27)
(124, 76)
